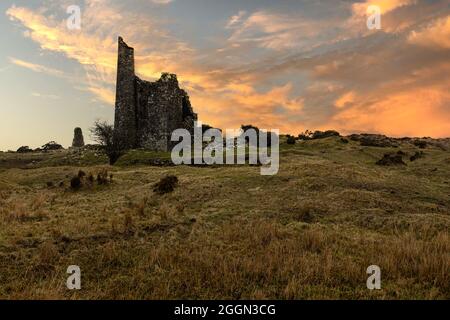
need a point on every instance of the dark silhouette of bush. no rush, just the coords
(50, 146)
(325, 134)
(271, 136)
(102, 177)
(89, 180)
(416, 156)
(166, 185)
(24, 149)
(103, 134)
(290, 140)
(75, 183)
(307, 135)
(374, 140)
(391, 159)
(421, 144)
(305, 214)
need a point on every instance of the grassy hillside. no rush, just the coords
(226, 231)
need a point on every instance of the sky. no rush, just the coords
(290, 65)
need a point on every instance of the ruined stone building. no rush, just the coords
(147, 113)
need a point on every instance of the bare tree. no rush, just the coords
(103, 133)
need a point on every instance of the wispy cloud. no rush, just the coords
(45, 96)
(236, 19)
(37, 67)
(95, 46)
(435, 35)
(163, 2)
(274, 30)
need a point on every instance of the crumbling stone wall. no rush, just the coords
(147, 112)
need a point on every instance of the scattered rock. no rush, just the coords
(373, 140)
(391, 159)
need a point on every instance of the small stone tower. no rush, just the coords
(78, 140)
(146, 112)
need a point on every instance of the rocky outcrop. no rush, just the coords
(374, 140)
(392, 159)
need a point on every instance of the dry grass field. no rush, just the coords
(226, 232)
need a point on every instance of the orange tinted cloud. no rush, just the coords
(360, 8)
(345, 99)
(400, 114)
(435, 35)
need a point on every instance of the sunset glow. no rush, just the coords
(289, 65)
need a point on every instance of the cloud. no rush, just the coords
(95, 46)
(392, 20)
(274, 30)
(400, 114)
(163, 2)
(435, 35)
(37, 67)
(275, 69)
(4, 68)
(236, 19)
(360, 8)
(345, 100)
(45, 96)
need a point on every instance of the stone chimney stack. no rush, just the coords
(78, 140)
(125, 110)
